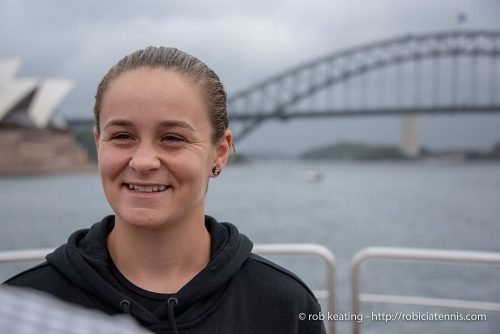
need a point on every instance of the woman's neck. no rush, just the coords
(160, 260)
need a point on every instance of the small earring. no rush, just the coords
(215, 171)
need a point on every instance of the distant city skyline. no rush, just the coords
(244, 42)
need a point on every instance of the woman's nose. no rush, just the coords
(144, 159)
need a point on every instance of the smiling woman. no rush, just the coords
(161, 133)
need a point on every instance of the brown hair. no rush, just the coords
(180, 62)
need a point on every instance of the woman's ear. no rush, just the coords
(223, 150)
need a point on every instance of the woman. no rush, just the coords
(161, 133)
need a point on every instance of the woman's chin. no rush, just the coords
(144, 218)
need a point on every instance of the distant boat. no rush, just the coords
(313, 175)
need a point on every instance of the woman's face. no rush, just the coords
(155, 149)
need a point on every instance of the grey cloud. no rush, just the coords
(244, 41)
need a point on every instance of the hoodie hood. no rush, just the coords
(85, 262)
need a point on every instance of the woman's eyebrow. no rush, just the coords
(176, 124)
(119, 122)
(162, 124)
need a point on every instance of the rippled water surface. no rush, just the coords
(353, 206)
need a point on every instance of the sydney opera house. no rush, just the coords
(30, 141)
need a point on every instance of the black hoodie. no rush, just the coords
(237, 292)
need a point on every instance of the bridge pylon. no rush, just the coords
(410, 146)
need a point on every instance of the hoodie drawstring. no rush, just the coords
(172, 302)
(125, 306)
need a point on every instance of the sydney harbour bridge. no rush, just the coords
(433, 73)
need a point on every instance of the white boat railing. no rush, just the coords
(261, 249)
(412, 254)
(24, 255)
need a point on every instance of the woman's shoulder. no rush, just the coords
(46, 278)
(266, 291)
(41, 277)
(265, 275)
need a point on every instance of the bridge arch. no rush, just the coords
(273, 97)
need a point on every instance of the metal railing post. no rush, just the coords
(415, 254)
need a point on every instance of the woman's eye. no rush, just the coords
(121, 136)
(171, 138)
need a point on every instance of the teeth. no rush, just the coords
(148, 189)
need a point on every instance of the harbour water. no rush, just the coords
(454, 206)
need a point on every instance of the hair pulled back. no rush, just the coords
(180, 62)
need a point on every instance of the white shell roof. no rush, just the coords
(47, 96)
(13, 92)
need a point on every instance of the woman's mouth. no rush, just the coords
(148, 188)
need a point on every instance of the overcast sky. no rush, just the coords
(244, 42)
